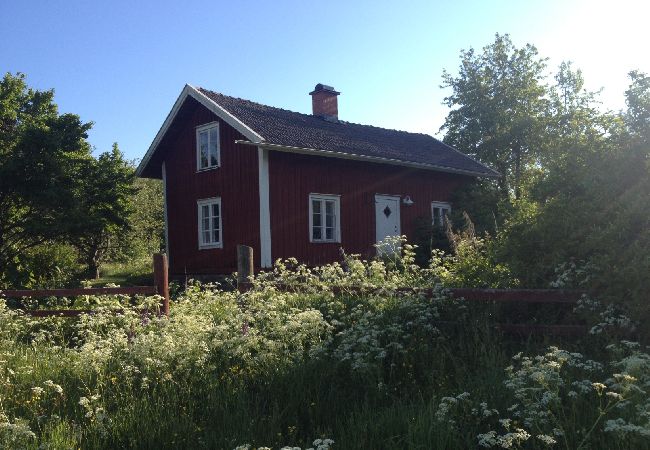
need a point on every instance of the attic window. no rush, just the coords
(207, 146)
(439, 213)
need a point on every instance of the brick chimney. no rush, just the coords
(324, 103)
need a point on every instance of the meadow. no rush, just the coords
(375, 369)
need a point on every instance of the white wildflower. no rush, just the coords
(548, 440)
(37, 391)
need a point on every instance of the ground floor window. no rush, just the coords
(209, 220)
(439, 213)
(324, 218)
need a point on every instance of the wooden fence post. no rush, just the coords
(161, 280)
(245, 268)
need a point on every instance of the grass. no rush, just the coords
(270, 368)
(133, 273)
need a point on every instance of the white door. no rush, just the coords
(387, 219)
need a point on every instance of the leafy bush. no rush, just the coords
(47, 265)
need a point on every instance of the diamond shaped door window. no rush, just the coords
(387, 212)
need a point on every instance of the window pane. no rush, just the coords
(329, 207)
(205, 211)
(214, 142)
(315, 205)
(214, 136)
(436, 216)
(316, 220)
(215, 235)
(316, 233)
(206, 224)
(329, 234)
(213, 154)
(329, 220)
(215, 223)
(215, 209)
(206, 237)
(203, 147)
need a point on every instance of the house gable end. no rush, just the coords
(144, 168)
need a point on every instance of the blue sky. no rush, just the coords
(121, 64)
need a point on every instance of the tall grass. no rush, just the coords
(269, 368)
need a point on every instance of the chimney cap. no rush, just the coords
(320, 87)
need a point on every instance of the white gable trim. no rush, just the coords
(191, 91)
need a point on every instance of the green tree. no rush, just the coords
(592, 204)
(42, 157)
(577, 133)
(499, 108)
(103, 208)
(146, 234)
(637, 117)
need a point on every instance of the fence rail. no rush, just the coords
(555, 297)
(75, 292)
(160, 287)
(519, 295)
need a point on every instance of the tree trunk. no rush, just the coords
(93, 263)
(93, 269)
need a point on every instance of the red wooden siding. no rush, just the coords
(236, 182)
(293, 177)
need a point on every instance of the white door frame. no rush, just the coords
(397, 199)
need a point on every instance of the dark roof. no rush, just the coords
(287, 128)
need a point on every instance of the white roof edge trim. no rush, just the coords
(376, 159)
(191, 91)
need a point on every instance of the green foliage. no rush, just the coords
(103, 208)
(427, 237)
(593, 207)
(480, 200)
(42, 158)
(374, 369)
(54, 193)
(473, 264)
(637, 117)
(582, 189)
(48, 265)
(498, 108)
(146, 232)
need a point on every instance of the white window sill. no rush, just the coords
(209, 246)
(205, 169)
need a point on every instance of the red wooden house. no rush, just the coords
(291, 184)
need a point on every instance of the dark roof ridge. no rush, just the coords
(395, 130)
(284, 127)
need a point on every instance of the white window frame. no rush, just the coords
(209, 202)
(337, 218)
(442, 206)
(207, 127)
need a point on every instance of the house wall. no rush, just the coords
(236, 182)
(293, 177)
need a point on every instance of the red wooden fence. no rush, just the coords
(507, 296)
(160, 287)
(556, 297)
